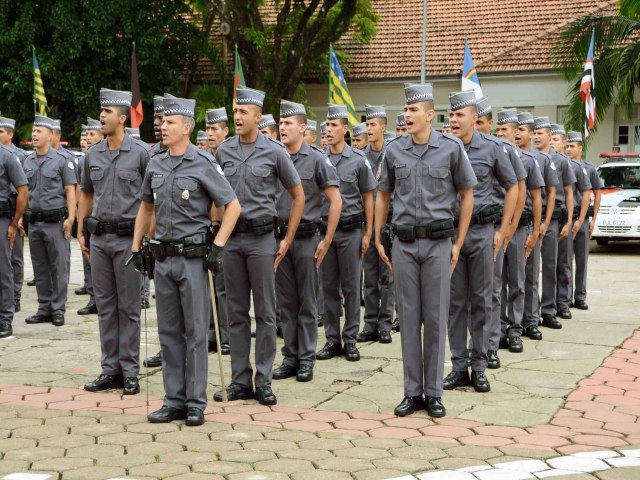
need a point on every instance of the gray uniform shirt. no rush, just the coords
(11, 173)
(548, 174)
(182, 193)
(425, 187)
(490, 163)
(534, 175)
(582, 183)
(115, 182)
(157, 148)
(316, 173)
(254, 178)
(356, 178)
(516, 163)
(560, 164)
(47, 178)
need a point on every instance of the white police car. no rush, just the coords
(619, 214)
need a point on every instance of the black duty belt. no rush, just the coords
(526, 218)
(254, 226)
(97, 227)
(435, 230)
(192, 246)
(487, 214)
(46, 216)
(590, 211)
(6, 210)
(305, 229)
(559, 213)
(350, 222)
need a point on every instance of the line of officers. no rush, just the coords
(463, 223)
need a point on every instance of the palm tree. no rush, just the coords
(617, 60)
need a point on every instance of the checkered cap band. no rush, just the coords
(557, 129)
(375, 112)
(41, 121)
(400, 121)
(359, 129)
(414, 93)
(525, 118)
(312, 125)
(542, 122)
(178, 111)
(507, 116)
(574, 137)
(7, 122)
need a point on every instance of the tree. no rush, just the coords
(84, 45)
(617, 60)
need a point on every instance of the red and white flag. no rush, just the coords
(587, 91)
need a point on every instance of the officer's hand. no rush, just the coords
(282, 251)
(592, 225)
(213, 262)
(543, 230)
(366, 239)
(577, 225)
(21, 228)
(564, 232)
(383, 255)
(11, 235)
(321, 251)
(455, 253)
(83, 246)
(498, 242)
(66, 228)
(138, 262)
(529, 244)
(508, 236)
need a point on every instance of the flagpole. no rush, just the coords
(423, 66)
(330, 49)
(35, 109)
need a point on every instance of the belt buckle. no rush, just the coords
(421, 231)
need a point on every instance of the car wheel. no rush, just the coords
(603, 242)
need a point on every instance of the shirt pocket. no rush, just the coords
(185, 187)
(436, 179)
(129, 182)
(348, 184)
(259, 177)
(96, 175)
(308, 182)
(483, 174)
(51, 180)
(31, 177)
(403, 180)
(231, 174)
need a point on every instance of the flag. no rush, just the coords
(338, 91)
(470, 80)
(39, 99)
(587, 91)
(136, 102)
(238, 75)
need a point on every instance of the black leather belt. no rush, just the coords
(435, 230)
(192, 246)
(97, 227)
(46, 216)
(255, 226)
(305, 229)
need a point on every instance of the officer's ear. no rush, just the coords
(430, 114)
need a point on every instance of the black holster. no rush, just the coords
(149, 259)
(386, 238)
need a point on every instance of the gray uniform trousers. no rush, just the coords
(223, 314)
(422, 285)
(581, 250)
(492, 325)
(117, 293)
(513, 285)
(531, 289)
(7, 306)
(378, 292)
(248, 262)
(549, 259)
(88, 279)
(471, 285)
(341, 272)
(17, 262)
(296, 289)
(184, 307)
(321, 309)
(144, 289)
(564, 274)
(49, 254)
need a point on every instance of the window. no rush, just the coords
(623, 137)
(440, 117)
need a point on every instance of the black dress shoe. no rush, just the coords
(533, 332)
(284, 371)
(566, 314)
(16, 306)
(81, 291)
(504, 342)
(131, 386)
(320, 320)
(493, 361)
(480, 382)
(195, 417)
(395, 326)
(550, 322)
(409, 405)
(144, 304)
(385, 337)
(305, 373)
(6, 330)
(365, 336)
(515, 344)
(579, 304)
(225, 349)
(351, 352)
(435, 408)
(235, 392)
(32, 282)
(265, 396)
(279, 331)
(58, 319)
(153, 362)
(89, 309)
(104, 382)
(167, 414)
(456, 380)
(330, 350)
(37, 318)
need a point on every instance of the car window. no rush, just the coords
(623, 176)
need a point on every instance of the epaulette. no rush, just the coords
(589, 163)
(393, 140)
(227, 139)
(206, 154)
(277, 142)
(452, 137)
(319, 150)
(491, 138)
(358, 152)
(159, 152)
(144, 145)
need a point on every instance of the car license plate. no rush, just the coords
(615, 222)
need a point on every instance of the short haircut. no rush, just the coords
(528, 126)
(271, 128)
(428, 105)
(300, 118)
(191, 121)
(123, 110)
(343, 121)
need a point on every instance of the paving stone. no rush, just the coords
(305, 454)
(358, 424)
(34, 454)
(345, 464)
(61, 464)
(530, 466)
(495, 474)
(429, 441)
(197, 476)
(270, 445)
(41, 431)
(127, 461)
(282, 465)
(16, 444)
(257, 475)
(378, 442)
(220, 467)
(123, 419)
(208, 427)
(485, 441)
(473, 452)
(565, 474)
(598, 441)
(154, 448)
(14, 423)
(363, 453)
(67, 441)
(153, 428)
(447, 475)
(324, 475)
(182, 437)
(531, 451)
(602, 454)
(619, 474)
(93, 473)
(95, 451)
(578, 464)
(69, 421)
(249, 456)
(326, 444)
(187, 458)
(422, 453)
(213, 446)
(11, 466)
(236, 436)
(413, 465)
(381, 474)
(623, 462)
(97, 429)
(159, 470)
(125, 438)
(290, 436)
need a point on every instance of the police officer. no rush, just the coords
(526, 227)
(268, 126)
(582, 197)
(111, 180)
(424, 171)
(323, 137)
(94, 132)
(446, 126)
(83, 138)
(359, 137)
(583, 234)
(217, 127)
(401, 125)
(184, 185)
(341, 268)
(484, 123)
(296, 278)
(560, 224)
(12, 180)
(7, 128)
(133, 132)
(531, 317)
(378, 279)
(471, 286)
(202, 140)
(52, 210)
(253, 163)
(311, 132)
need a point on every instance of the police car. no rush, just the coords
(619, 215)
